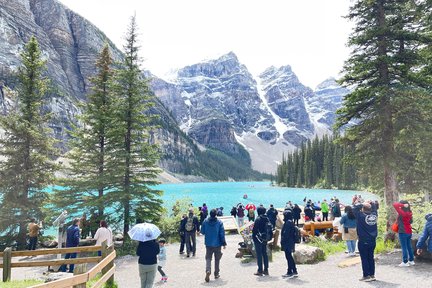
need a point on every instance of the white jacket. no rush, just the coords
(103, 234)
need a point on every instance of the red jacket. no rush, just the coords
(404, 220)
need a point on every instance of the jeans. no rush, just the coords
(366, 249)
(209, 254)
(325, 216)
(261, 252)
(240, 221)
(407, 250)
(191, 242)
(32, 243)
(351, 244)
(71, 266)
(161, 271)
(291, 264)
(147, 274)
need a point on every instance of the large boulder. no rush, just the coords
(49, 244)
(305, 254)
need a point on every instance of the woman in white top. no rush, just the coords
(102, 234)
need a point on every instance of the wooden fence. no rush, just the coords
(105, 265)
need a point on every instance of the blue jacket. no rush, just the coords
(367, 230)
(426, 235)
(348, 223)
(214, 232)
(72, 236)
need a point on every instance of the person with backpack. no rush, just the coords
(240, 215)
(309, 213)
(272, 215)
(251, 214)
(261, 234)
(288, 240)
(336, 209)
(349, 233)
(191, 228)
(214, 232)
(367, 232)
(296, 214)
(404, 221)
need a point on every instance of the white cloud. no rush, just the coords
(309, 35)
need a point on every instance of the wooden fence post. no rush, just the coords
(7, 264)
(105, 252)
(80, 269)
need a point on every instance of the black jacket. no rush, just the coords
(259, 226)
(288, 236)
(147, 252)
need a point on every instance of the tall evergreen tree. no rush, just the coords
(26, 150)
(137, 156)
(90, 159)
(384, 62)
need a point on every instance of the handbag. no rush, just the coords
(395, 227)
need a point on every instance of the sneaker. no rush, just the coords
(411, 263)
(295, 274)
(288, 276)
(181, 252)
(364, 278)
(403, 264)
(217, 276)
(265, 272)
(372, 278)
(207, 278)
(258, 274)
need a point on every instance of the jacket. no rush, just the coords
(147, 252)
(367, 229)
(162, 256)
(288, 236)
(240, 212)
(426, 235)
(214, 232)
(259, 226)
(324, 207)
(348, 223)
(404, 220)
(72, 236)
(272, 214)
(296, 212)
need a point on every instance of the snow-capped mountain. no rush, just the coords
(220, 105)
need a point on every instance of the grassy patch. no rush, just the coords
(96, 278)
(20, 283)
(329, 247)
(384, 246)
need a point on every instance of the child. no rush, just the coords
(162, 259)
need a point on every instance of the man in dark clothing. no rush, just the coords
(260, 245)
(191, 228)
(214, 232)
(288, 243)
(272, 214)
(367, 233)
(182, 233)
(72, 240)
(336, 209)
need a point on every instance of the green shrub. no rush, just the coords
(329, 247)
(383, 245)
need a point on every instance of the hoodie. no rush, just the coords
(259, 226)
(214, 232)
(426, 235)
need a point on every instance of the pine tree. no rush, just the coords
(90, 158)
(384, 63)
(137, 156)
(26, 150)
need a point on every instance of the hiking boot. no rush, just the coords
(403, 264)
(258, 274)
(411, 263)
(364, 278)
(265, 272)
(207, 278)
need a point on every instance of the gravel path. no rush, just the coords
(190, 272)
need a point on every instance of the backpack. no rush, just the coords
(251, 213)
(297, 235)
(190, 224)
(267, 234)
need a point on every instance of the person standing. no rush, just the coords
(251, 214)
(325, 210)
(296, 214)
(259, 243)
(103, 234)
(240, 215)
(426, 236)
(272, 215)
(288, 243)
(182, 233)
(404, 221)
(147, 261)
(349, 233)
(85, 226)
(72, 240)
(367, 232)
(191, 228)
(33, 234)
(214, 232)
(233, 212)
(162, 257)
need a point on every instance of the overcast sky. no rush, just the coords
(309, 35)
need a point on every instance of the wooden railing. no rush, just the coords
(105, 265)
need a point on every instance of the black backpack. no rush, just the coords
(267, 234)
